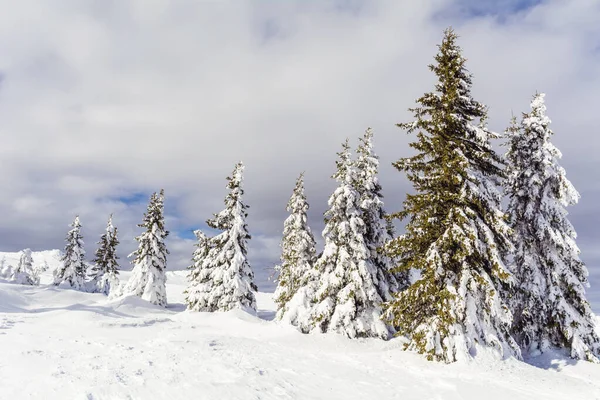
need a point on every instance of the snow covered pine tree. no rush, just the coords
(222, 277)
(456, 235)
(549, 291)
(148, 279)
(198, 279)
(298, 253)
(74, 268)
(25, 274)
(104, 273)
(345, 298)
(377, 229)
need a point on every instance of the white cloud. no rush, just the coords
(101, 99)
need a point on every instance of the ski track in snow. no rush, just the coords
(57, 343)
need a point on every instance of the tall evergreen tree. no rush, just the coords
(298, 253)
(549, 293)
(148, 279)
(345, 297)
(25, 274)
(222, 276)
(456, 234)
(104, 273)
(378, 230)
(73, 268)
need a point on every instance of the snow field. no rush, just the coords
(58, 343)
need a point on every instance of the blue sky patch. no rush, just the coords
(466, 9)
(497, 7)
(134, 198)
(187, 233)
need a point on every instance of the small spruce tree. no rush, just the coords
(298, 253)
(105, 271)
(549, 292)
(222, 277)
(73, 269)
(199, 281)
(148, 278)
(456, 234)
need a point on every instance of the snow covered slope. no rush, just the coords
(62, 344)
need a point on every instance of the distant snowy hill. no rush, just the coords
(58, 343)
(52, 257)
(49, 259)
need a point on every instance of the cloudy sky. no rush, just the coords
(103, 102)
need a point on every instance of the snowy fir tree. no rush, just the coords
(25, 274)
(148, 278)
(456, 234)
(378, 230)
(197, 276)
(345, 297)
(105, 271)
(298, 253)
(222, 278)
(73, 269)
(548, 301)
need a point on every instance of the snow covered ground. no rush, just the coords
(57, 343)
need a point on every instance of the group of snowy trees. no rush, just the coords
(508, 280)
(102, 275)
(220, 278)
(343, 289)
(148, 277)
